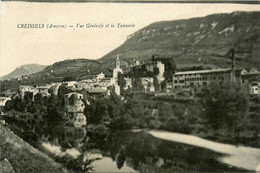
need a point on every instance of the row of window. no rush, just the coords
(176, 87)
(199, 79)
(185, 75)
(195, 84)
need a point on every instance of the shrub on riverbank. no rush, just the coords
(172, 116)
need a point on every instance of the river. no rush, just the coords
(161, 151)
(239, 156)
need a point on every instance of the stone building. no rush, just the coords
(254, 88)
(192, 80)
(75, 109)
(147, 82)
(3, 101)
(249, 75)
(43, 90)
(128, 84)
(196, 79)
(153, 66)
(23, 89)
(100, 76)
(249, 80)
(93, 93)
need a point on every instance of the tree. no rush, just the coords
(98, 110)
(52, 117)
(79, 133)
(121, 80)
(137, 84)
(61, 92)
(50, 90)
(68, 78)
(89, 112)
(155, 71)
(173, 124)
(28, 96)
(121, 159)
(156, 84)
(170, 68)
(225, 107)
(19, 105)
(9, 105)
(38, 98)
(77, 165)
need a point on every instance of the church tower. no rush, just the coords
(117, 69)
(117, 62)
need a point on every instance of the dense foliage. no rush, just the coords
(12, 84)
(229, 111)
(170, 66)
(225, 106)
(141, 71)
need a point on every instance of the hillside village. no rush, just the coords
(150, 73)
(179, 81)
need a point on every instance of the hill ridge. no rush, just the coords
(200, 41)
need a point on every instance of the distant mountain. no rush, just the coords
(203, 41)
(23, 70)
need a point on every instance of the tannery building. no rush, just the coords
(200, 78)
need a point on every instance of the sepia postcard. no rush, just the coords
(129, 86)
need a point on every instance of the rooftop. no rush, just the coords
(43, 87)
(71, 93)
(95, 90)
(204, 71)
(26, 86)
(3, 98)
(252, 73)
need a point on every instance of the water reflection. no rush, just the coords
(144, 153)
(126, 151)
(108, 165)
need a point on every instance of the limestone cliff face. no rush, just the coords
(208, 38)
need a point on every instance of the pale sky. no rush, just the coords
(46, 46)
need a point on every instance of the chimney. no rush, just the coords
(232, 56)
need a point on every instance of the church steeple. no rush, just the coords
(117, 69)
(117, 61)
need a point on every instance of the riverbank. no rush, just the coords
(23, 157)
(242, 157)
